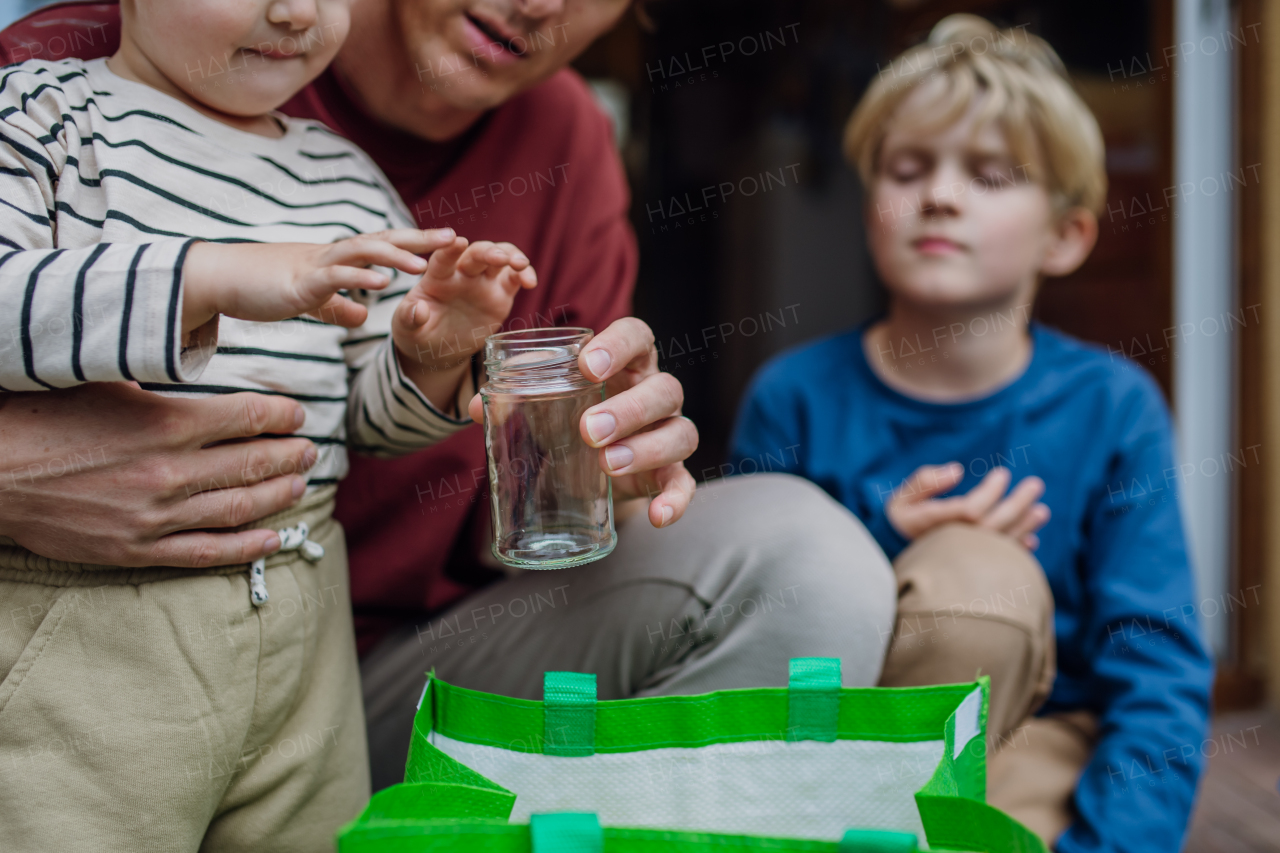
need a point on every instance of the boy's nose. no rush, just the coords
(940, 201)
(295, 14)
(945, 192)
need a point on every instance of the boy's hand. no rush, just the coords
(913, 510)
(464, 297)
(274, 281)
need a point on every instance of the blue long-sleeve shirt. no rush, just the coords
(1096, 430)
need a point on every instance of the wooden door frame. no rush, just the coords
(1244, 673)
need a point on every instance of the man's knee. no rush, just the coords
(802, 549)
(771, 509)
(793, 573)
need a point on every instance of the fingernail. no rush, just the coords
(309, 458)
(667, 512)
(299, 417)
(618, 456)
(272, 544)
(601, 425)
(599, 360)
(298, 487)
(446, 234)
(521, 259)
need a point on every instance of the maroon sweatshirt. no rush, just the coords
(540, 171)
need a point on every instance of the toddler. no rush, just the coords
(183, 236)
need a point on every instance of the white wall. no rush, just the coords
(1204, 292)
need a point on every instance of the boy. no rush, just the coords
(160, 230)
(984, 172)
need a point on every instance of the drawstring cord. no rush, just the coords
(291, 539)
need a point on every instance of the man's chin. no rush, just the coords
(478, 96)
(471, 87)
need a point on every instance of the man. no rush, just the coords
(468, 107)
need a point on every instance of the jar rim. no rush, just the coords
(548, 334)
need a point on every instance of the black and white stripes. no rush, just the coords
(104, 183)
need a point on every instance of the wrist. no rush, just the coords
(199, 293)
(439, 380)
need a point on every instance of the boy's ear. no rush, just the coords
(1074, 236)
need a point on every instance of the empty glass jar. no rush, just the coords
(552, 503)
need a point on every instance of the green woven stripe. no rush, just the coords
(971, 764)
(438, 799)
(813, 699)
(428, 764)
(957, 823)
(963, 775)
(565, 833)
(569, 713)
(476, 836)
(435, 836)
(728, 716)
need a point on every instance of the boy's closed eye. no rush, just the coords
(991, 169)
(996, 171)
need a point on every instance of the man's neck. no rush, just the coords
(376, 65)
(949, 355)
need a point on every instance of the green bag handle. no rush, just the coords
(877, 841)
(569, 832)
(565, 832)
(569, 713)
(581, 833)
(569, 706)
(813, 699)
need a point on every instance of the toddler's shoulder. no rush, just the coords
(318, 142)
(42, 83)
(39, 101)
(326, 155)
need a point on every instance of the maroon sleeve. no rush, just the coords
(62, 31)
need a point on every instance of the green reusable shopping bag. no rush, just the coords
(766, 768)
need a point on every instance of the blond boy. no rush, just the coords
(984, 172)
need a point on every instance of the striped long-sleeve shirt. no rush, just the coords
(105, 183)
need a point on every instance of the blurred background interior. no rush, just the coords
(746, 100)
(753, 95)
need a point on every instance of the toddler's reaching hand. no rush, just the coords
(274, 281)
(464, 297)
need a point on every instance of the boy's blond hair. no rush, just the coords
(1027, 93)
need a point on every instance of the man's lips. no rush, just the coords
(934, 245)
(493, 41)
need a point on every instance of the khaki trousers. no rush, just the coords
(973, 602)
(158, 710)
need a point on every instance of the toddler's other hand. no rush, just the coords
(464, 297)
(274, 281)
(914, 509)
